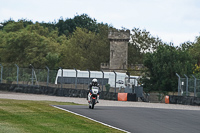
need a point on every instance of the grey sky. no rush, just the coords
(174, 21)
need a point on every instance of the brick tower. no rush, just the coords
(118, 49)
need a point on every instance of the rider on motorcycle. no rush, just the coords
(94, 83)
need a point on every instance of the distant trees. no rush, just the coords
(195, 49)
(80, 43)
(33, 44)
(162, 66)
(68, 26)
(162, 61)
(85, 50)
(141, 42)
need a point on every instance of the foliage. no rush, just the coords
(24, 21)
(141, 42)
(196, 71)
(31, 45)
(194, 49)
(68, 26)
(198, 94)
(162, 66)
(80, 42)
(85, 50)
(10, 79)
(107, 87)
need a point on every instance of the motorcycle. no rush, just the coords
(92, 96)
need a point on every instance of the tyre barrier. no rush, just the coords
(65, 92)
(185, 100)
(127, 97)
(167, 99)
(122, 96)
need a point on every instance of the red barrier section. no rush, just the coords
(167, 99)
(122, 96)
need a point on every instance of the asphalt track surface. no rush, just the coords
(142, 120)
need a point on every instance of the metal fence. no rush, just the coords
(28, 76)
(188, 86)
(46, 77)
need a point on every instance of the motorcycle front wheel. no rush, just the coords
(93, 103)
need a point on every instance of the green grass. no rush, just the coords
(19, 116)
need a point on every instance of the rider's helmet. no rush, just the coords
(94, 82)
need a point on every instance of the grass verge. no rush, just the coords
(20, 116)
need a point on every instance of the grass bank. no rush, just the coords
(19, 116)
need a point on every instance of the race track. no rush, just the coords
(142, 120)
(136, 117)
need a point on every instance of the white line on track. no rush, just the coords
(91, 119)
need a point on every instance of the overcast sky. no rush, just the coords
(174, 21)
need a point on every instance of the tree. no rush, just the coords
(85, 50)
(2, 43)
(140, 43)
(14, 26)
(194, 50)
(162, 66)
(68, 26)
(31, 45)
(43, 44)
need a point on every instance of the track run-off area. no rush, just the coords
(135, 117)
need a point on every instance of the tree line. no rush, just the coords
(81, 42)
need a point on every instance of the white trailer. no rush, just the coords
(110, 76)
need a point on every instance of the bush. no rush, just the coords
(184, 93)
(9, 80)
(198, 94)
(107, 87)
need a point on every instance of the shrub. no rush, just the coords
(107, 87)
